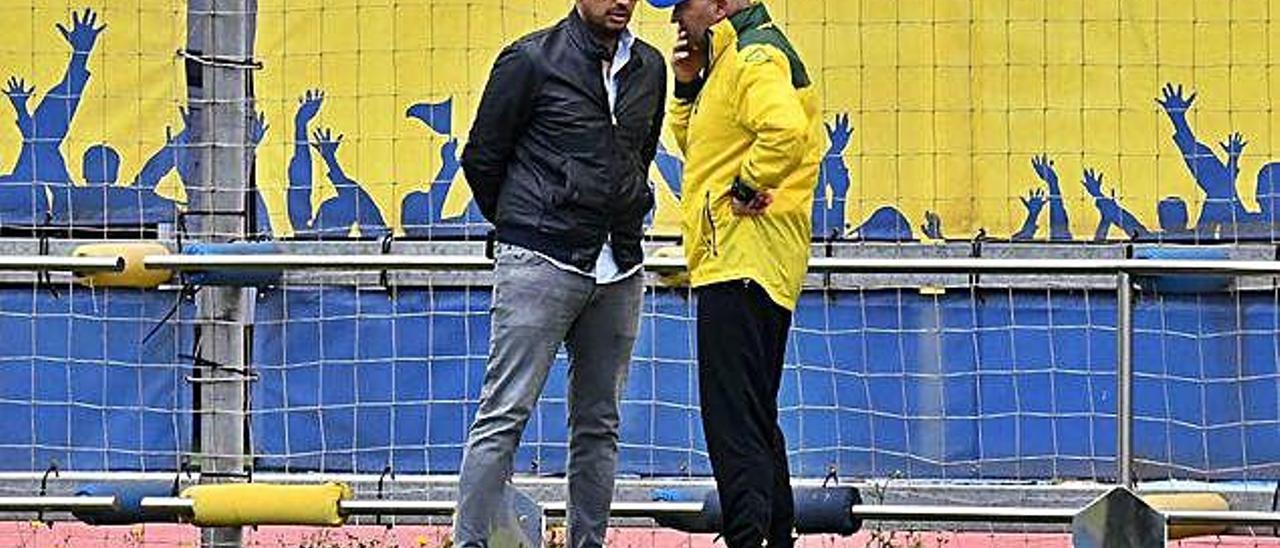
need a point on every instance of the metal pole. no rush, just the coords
(291, 261)
(397, 507)
(1019, 514)
(1124, 379)
(633, 509)
(1227, 518)
(985, 514)
(874, 512)
(56, 504)
(220, 49)
(446, 507)
(40, 263)
(318, 262)
(1041, 266)
(173, 505)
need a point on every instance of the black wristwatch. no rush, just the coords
(742, 192)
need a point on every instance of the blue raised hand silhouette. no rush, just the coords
(1034, 203)
(308, 107)
(83, 35)
(833, 174)
(297, 193)
(175, 154)
(1111, 212)
(352, 205)
(1059, 223)
(1222, 209)
(18, 95)
(258, 129)
(40, 164)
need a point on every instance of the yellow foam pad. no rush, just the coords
(245, 504)
(1189, 501)
(134, 274)
(672, 279)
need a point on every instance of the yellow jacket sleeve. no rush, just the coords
(678, 121)
(769, 106)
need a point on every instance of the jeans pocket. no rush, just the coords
(510, 255)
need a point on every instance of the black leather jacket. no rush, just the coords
(550, 166)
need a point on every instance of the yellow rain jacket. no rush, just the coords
(757, 119)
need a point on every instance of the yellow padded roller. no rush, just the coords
(672, 279)
(133, 275)
(1189, 501)
(246, 504)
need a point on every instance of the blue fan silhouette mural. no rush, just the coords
(351, 205)
(38, 190)
(1223, 215)
(830, 194)
(1110, 211)
(1222, 210)
(828, 216)
(886, 223)
(102, 203)
(422, 212)
(1034, 202)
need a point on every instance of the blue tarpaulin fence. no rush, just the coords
(992, 384)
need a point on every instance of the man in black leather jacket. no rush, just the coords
(558, 161)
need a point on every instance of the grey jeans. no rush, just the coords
(536, 307)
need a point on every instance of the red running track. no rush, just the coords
(64, 535)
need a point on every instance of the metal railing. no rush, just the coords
(56, 504)
(46, 263)
(872, 512)
(183, 506)
(830, 265)
(1124, 271)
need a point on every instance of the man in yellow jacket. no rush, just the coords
(749, 123)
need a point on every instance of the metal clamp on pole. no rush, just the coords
(221, 62)
(237, 374)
